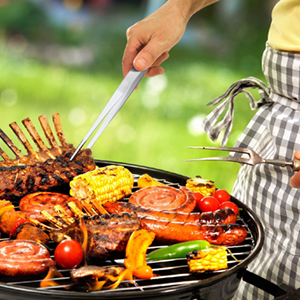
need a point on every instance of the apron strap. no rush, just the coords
(209, 123)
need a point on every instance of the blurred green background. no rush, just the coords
(65, 57)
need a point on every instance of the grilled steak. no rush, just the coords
(107, 235)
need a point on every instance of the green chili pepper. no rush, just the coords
(178, 250)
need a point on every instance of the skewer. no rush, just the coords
(88, 207)
(62, 214)
(76, 211)
(52, 219)
(41, 225)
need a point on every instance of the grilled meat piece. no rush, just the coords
(94, 273)
(107, 234)
(220, 216)
(176, 232)
(8, 219)
(43, 169)
(179, 227)
(27, 231)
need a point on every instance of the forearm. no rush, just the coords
(150, 40)
(189, 7)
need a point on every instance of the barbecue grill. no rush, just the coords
(174, 280)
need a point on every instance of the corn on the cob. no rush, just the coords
(211, 259)
(110, 183)
(198, 184)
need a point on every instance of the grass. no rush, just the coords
(154, 126)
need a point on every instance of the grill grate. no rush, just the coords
(172, 273)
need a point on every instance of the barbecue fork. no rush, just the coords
(252, 159)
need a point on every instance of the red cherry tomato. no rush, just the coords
(208, 203)
(198, 197)
(222, 196)
(68, 254)
(230, 205)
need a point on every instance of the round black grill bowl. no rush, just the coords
(175, 282)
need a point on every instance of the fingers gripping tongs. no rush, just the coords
(252, 159)
(115, 103)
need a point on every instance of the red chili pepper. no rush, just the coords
(17, 224)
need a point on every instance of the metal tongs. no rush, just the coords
(115, 103)
(252, 159)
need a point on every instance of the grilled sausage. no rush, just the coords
(221, 216)
(32, 204)
(23, 258)
(175, 232)
(165, 198)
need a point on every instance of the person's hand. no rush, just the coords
(150, 40)
(295, 180)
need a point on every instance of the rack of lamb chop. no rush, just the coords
(43, 169)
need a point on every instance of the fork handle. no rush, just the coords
(296, 165)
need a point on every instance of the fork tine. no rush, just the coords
(230, 149)
(230, 159)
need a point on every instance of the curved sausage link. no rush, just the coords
(23, 258)
(165, 198)
(221, 216)
(32, 204)
(175, 232)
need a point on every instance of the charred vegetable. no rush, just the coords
(136, 250)
(207, 260)
(199, 185)
(179, 250)
(146, 180)
(110, 183)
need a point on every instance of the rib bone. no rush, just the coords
(20, 157)
(59, 130)
(43, 168)
(49, 134)
(18, 132)
(36, 137)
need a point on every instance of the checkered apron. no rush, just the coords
(274, 133)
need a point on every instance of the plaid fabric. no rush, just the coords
(274, 132)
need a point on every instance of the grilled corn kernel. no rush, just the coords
(212, 259)
(110, 183)
(204, 186)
